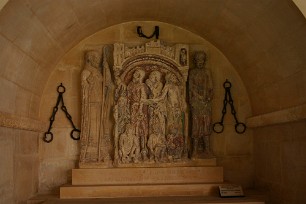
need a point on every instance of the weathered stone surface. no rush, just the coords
(264, 34)
(284, 116)
(70, 67)
(26, 143)
(13, 121)
(280, 161)
(238, 169)
(58, 148)
(166, 175)
(201, 92)
(138, 191)
(7, 145)
(23, 102)
(252, 197)
(9, 90)
(146, 84)
(25, 176)
(59, 169)
(19, 165)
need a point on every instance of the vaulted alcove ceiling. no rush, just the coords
(263, 39)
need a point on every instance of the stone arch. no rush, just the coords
(151, 63)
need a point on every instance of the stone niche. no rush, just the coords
(142, 107)
(135, 106)
(109, 67)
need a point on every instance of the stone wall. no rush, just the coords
(265, 46)
(19, 165)
(234, 151)
(280, 161)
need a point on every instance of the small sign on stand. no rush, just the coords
(230, 190)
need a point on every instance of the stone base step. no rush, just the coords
(125, 191)
(165, 175)
(251, 197)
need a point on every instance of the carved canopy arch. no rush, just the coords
(149, 63)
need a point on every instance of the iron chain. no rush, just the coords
(75, 133)
(218, 127)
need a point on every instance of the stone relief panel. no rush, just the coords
(150, 110)
(134, 105)
(97, 86)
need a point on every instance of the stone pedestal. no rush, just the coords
(252, 197)
(145, 176)
(125, 191)
(144, 182)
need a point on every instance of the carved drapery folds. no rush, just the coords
(151, 118)
(96, 83)
(200, 97)
(134, 109)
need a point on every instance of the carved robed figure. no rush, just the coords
(200, 99)
(96, 106)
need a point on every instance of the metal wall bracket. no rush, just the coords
(142, 35)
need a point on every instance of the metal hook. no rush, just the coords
(61, 89)
(227, 84)
(142, 35)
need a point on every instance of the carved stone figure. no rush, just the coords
(183, 57)
(129, 145)
(175, 144)
(200, 97)
(157, 145)
(172, 101)
(121, 114)
(91, 108)
(137, 91)
(175, 103)
(123, 111)
(155, 84)
(97, 97)
(157, 111)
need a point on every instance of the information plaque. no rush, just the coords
(231, 190)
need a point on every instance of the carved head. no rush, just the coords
(199, 59)
(155, 76)
(129, 129)
(138, 76)
(92, 58)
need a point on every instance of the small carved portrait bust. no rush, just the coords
(183, 57)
